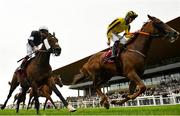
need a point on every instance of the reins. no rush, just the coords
(148, 34)
(43, 51)
(143, 33)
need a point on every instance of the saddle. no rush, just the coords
(23, 76)
(117, 62)
(22, 72)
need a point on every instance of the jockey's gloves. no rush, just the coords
(35, 49)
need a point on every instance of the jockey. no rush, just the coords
(35, 39)
(117, 26)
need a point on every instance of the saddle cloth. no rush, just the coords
(106, 57)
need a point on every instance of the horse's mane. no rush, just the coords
(145, 23)
(132, 39)
(136, 34)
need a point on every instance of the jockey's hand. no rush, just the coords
(35, 49)
(108, 43)
(136, 32)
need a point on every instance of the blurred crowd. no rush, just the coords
(167, 86)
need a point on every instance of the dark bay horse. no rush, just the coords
(45, 91)
(132, 60)
(38, 71)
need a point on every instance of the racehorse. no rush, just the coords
(45, 91)
(37, 72)
(130, 62)
(16, 96)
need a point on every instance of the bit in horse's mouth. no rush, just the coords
(172, 39)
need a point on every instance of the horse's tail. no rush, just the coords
(82, 75)
(78, 78)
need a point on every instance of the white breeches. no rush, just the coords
(118, 38)
(29, 50)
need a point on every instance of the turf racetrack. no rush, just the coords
(146, 110)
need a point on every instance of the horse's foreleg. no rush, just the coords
(120, 102)
(32, 101)
(17, 106)
(23, 104)
(45, 103)
(104, 99)
(21, 98)
(36, 95)
(49, 97)
(36, 104)
(136, 80)
(132, 87)
(57, 92)
(14, 100)
(30, 97)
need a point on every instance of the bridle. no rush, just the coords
(55, 51)
(150, 36)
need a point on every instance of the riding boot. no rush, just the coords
(114, 50)
(121, 47)
(21, 70)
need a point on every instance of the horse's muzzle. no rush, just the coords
(57, 51)
(173, 36)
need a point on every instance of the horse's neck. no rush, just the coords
(141, 42)
(43, 57)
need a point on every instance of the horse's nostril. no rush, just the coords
(57, 51)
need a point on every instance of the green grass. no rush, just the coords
(147, 110)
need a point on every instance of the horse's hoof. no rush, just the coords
(71, 109)
(130, 97)
(3, 107)
(106, 105)
(114, 102)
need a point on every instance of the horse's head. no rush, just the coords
(51, 44)
(163, 30)
(57, 80)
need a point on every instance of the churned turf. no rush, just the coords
(146, 110)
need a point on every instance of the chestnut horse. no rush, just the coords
(16, 96)
(38, 71)
(45, 91)
(131, 61)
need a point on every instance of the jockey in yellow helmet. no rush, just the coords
(117, 26)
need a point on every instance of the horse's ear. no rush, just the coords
(150, 17)
(53, 33)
